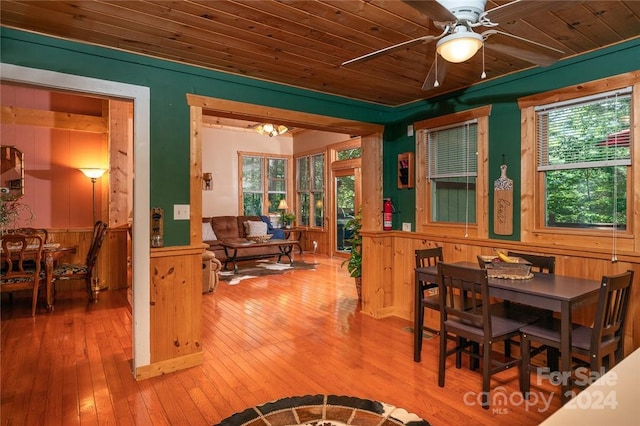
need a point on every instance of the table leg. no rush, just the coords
(48, 268)
(565, 351)
(286, 250)
(418, 319)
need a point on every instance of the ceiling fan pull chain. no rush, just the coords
(484, 74)
(435, 83)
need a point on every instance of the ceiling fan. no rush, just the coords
(458, 42)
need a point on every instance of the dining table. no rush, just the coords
(554, 292)
(51, 253)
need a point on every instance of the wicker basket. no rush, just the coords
(260, 238)
(521, 269)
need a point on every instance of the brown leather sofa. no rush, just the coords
(231, 228)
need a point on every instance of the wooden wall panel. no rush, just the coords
(392, 294)
(176, 302)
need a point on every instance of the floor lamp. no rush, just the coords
(94, 175)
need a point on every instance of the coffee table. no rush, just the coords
(231, 251)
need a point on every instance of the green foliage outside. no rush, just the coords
(354, 262)
(581, 192)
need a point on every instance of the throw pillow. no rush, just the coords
(207, 232)
(256, 228)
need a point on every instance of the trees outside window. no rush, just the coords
(310, 189)
(264, 183)
(584, 156)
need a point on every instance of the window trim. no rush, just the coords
(309, 155)
(265, 183)
(424, 223)
(533, 227)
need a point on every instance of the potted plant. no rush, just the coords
(354, 261)
(288, 219)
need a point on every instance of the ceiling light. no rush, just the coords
(271, 129)
(459, 46)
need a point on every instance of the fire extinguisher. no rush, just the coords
(386, 215)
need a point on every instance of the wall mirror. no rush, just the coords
(12, 180)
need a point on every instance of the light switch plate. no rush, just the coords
(181, 211)
(406, 226)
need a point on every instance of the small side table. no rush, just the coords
(297, 235)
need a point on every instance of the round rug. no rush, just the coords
(323, 410)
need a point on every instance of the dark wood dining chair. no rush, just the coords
(34, 231)
(545, 264)
(67, 271)
(424, 258)
(541, 264)
(602, 344)
(16, 275)
(474, 323)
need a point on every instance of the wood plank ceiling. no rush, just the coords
(302, 43)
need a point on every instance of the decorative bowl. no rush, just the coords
(259, 238)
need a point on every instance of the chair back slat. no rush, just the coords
(464, 294)
(613, 304)
(34, 231)
(545, 264)
(14, 247)
(99, 232)
(428, 257)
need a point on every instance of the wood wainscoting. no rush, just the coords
(176, 310)
(389, 262)
(112, 260)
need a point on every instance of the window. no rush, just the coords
(583, 157)
(452, 167)
(264, 183)
(348, 154)
(451, 189)
(310, 189)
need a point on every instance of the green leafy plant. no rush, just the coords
(354, 262)
(12, 211)
(288, 218)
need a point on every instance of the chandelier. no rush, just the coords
(271, 130)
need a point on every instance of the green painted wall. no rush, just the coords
(504, 122)
(169, 82)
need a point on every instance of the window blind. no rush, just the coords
(586, 132)
(452, 151)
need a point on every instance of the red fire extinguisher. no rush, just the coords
(386, 215)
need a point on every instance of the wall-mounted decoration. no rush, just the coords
(405, 170)
(207, 180)
(503, 204)
(157, 227)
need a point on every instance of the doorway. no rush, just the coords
(345, 202)
(140, 96)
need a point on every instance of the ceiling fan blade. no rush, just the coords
(522, 48)
(432, 9)
(395, 47)
(430, 81)
(517, 9)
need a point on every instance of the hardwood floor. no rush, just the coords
(264, 339)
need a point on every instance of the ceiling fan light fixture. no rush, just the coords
(271, 130)
(459, 46)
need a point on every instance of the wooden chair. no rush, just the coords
(16, 275)
(598, 343)
(545, 264)
(424, 258)
(469, 287)
(84, 271)
(34, 231)
(542, 264)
